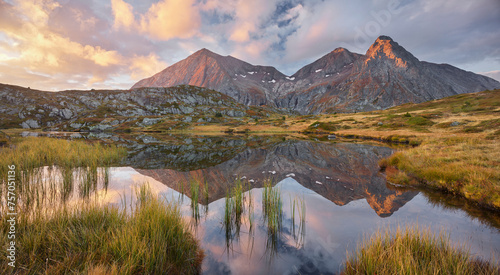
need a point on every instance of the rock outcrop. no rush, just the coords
(105, 110)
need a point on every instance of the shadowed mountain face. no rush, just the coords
(387, 75)
(340, 172)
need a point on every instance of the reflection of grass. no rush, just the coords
(463, 166)
(152, 239)
(408, 251)
(195, 190)
(300, 205)
(68, 162)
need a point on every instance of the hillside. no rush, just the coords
(120, 110)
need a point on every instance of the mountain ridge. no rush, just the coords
(341, 81)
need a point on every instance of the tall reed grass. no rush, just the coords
(233, 210)
(413, 251)
(272, 207)
(195, 193)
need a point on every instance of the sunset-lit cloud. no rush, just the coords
(164, 20)
(64, 44)
(123, 14)
(28, 42)
(171, 18)
(146, 66)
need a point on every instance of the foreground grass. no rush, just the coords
(409, 251)
(464, 166)
(152, 239)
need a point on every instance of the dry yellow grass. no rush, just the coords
(413, 251)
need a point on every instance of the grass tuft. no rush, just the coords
(413, 251)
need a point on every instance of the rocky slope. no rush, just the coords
(387, 75)
(113, 109)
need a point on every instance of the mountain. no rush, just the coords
(386, 75)
(248, 84)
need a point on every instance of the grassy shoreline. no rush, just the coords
(461, 166)
(413, 251)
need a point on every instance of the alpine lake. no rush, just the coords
(330, 196)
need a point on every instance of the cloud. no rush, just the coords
(46, 51)
(493, 74)
(164, 20)
(36, 52)
(102, 57)
(249, 15)
(146, 66)
(171, 18)
(123, 14)
(316, 32)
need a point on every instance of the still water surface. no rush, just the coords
(345, 195)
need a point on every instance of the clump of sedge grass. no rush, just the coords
(413, 251)
(33, 152)
(272, 207)
(152, 239)
(233, 209)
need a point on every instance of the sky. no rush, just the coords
(89, 44)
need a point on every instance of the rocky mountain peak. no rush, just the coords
(384, 48)
(340, 50)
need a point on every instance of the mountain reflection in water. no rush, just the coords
(340, 173)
